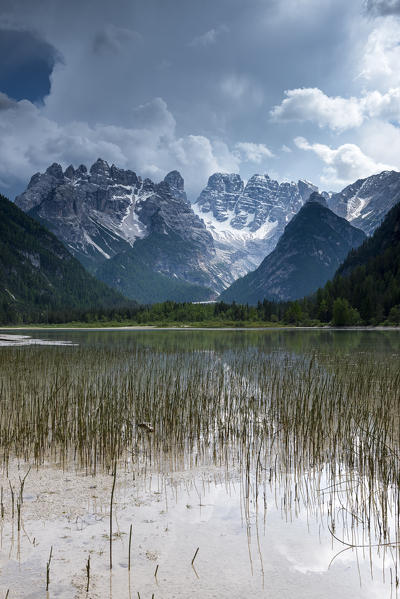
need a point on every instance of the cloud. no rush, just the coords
(198, 157)
(311, 104)
(240, 88)
(337, 113)
(209, 37)
(381, 55)
(112, 38)
(344, 164)
(154, 115)
(252, 152)
(383, 7)
(381, 141)
(108, 70)
(6, 102)
(30, 142)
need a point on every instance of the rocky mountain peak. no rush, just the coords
(175, 179)
(246, 221)
(100, 166)
(314, 243)
(124, 177)
(69, 172)
(55, 171)
(100, 171)
(106, 213)
(220, 195)
(229, 183)
(366, 202)
(81, 170)
(306, 188)
(176, 183)
(317, 198)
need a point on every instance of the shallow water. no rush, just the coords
(14, 340)
(262, 531)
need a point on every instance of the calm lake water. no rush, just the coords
(274, 453)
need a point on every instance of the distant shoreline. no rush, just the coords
(195, 328)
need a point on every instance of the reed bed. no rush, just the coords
(323, 428)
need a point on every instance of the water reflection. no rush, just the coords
(301, 430)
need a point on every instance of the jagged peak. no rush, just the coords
(81, 170)
(69, 172)
(227, 182)
(175, 179)
(317, 198)
(100, 166)
(55, 170)
(258, 177)
(307, 182)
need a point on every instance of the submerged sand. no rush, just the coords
(241, 554)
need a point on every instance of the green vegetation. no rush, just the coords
(306, 313)
(133, 272)
(369, 279)
(38, 275)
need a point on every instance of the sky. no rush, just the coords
(296, 88)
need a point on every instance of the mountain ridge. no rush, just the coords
(37, 273)
(102, 213)
(309, 252)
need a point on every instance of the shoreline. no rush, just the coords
(194, 328)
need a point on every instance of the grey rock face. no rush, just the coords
(220, 195)
(103, 212)
(177, 185)
(247, 221)
(366, 202)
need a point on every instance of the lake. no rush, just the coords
(232, 463)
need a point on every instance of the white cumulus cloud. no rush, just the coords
(337, 113)
(311, 104)
(381, 56)
(31, 141)
(344, 164)
(252, 152)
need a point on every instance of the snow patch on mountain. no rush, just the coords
(246, 221)
(366, 202)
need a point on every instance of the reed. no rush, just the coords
(324, 427)
(48, 568)
(129, 548)
(88, 574)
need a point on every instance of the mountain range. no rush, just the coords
(111, 219)
(246, 221)
(150, 243)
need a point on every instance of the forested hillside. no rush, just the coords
(38, 274)
(369, 278)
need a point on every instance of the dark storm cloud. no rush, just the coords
(383, 7)
(163, 84)
(26, 62)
